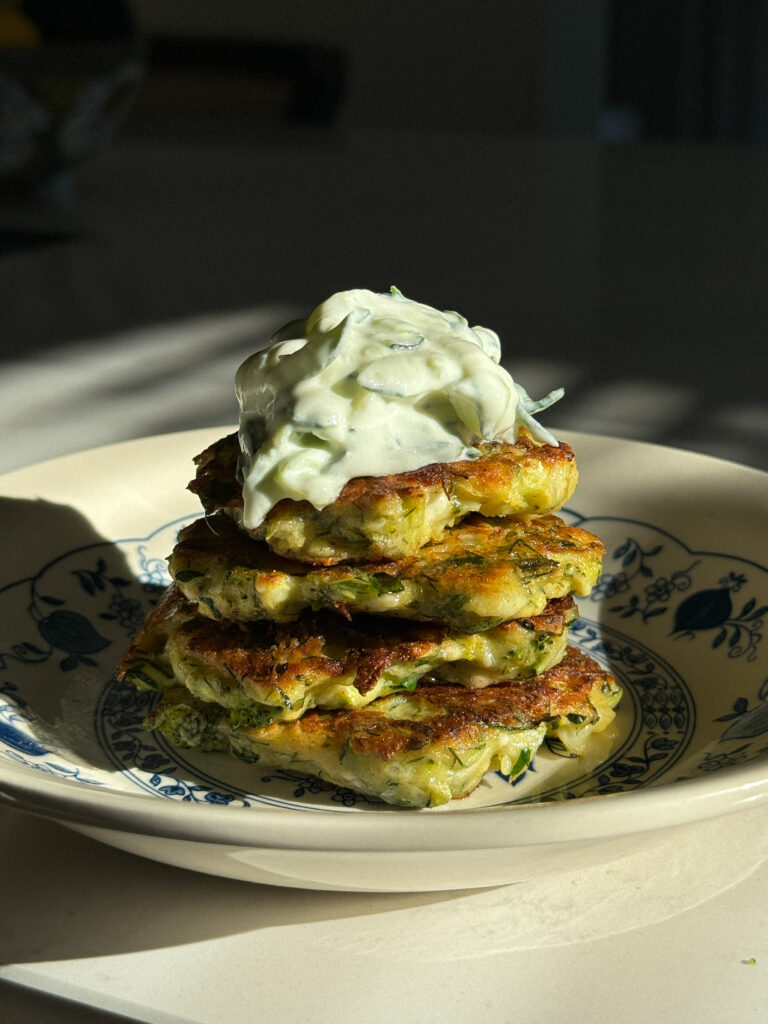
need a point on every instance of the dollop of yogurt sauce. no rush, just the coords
(369, 385)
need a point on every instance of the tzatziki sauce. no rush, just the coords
(369, 385)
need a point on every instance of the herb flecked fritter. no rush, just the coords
(391, 517)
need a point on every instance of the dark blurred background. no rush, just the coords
(590, 179)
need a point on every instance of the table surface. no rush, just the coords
(634, 277)
(676, 932)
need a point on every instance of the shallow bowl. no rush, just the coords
(678, 616)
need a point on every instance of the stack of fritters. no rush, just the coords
(402, 641)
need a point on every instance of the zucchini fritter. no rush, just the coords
(391, 517)
(263, 672)
(482, 572)
(417, 749)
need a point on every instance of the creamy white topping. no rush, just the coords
(369, 385)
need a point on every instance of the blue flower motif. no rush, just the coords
(127, 611)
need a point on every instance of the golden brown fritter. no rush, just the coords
(482, 572)
(144, 663)
(391, 517)
(264, 671)
(411, 749)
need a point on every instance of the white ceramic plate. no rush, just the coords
(678, 616)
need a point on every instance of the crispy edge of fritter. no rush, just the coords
(457, 716)
(476, 561)
(271, 656)
(459, 560)
(170, 612)
(438, 748)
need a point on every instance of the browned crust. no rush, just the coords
(216, 483)
(168, 614)
(217, 536)
(461, 715)
(488, 545)
(271, 654)
(551, 620)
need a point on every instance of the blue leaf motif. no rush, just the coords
(71, 631)
(152, 762)
(217, 798)
(662, 743)
(171, 790)
(747, 726)
(20, 741)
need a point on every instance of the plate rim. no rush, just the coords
(594, 817)
(566, 433)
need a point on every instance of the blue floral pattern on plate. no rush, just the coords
(661, 615)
